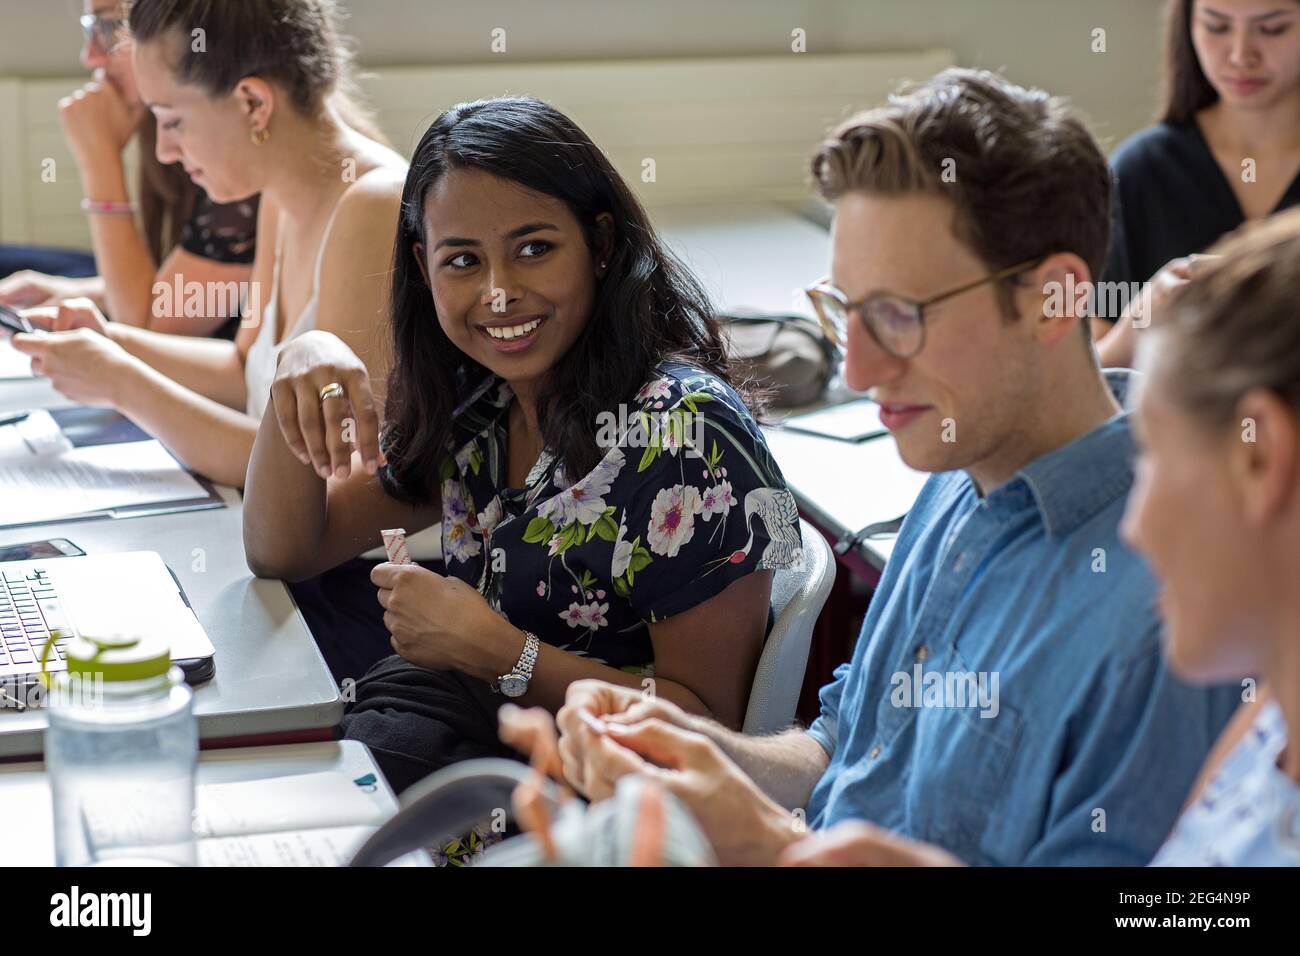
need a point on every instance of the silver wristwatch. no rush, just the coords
(515, 683)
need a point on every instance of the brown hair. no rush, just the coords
(292, 42)
(1233, 327)
(1029, 178)
(295, 43)
(166, 193)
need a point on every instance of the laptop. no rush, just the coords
(95, 595)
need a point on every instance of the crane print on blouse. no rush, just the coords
(666, 520)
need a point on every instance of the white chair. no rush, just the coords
(797, 600)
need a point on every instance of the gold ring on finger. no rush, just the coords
(332, 390)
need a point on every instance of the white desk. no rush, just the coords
(27, 825)
(761, 257)
(270, 677)
(846, 486)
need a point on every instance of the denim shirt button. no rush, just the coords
(922, 653)
(875, 752)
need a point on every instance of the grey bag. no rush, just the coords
(786, 354)
(448, 802)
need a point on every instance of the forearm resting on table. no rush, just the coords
(211, 367)
(205, 435)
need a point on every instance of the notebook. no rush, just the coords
(311, 819)
(74, 463)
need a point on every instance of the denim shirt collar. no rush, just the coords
(1072, 483)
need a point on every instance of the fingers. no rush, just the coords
(532, 731)
(859, 843)
(312, 427)
(334, 412)
(651, 826)
(35, 344)
(598, 698)
(608, 762)
(43, 317)
(647, 708)
(386, 574)
(848, 844)
(530, 810)
(285, 402)
(572, 766)
(366, 421)
(662, 743)
(318, 430)
(77, 313)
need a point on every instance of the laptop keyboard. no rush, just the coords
(29, 611)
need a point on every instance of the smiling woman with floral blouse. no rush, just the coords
(561, 401)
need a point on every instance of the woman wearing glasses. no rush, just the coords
(1226, 151)
(179, 232)
(242, 119)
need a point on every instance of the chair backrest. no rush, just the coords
(797, 600)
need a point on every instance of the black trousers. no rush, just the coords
(416, 721)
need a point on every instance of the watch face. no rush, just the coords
(513, 686)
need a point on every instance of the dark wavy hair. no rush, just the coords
(648, 307)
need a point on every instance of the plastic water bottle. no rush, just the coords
(121, 751)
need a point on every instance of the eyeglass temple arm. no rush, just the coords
(1009, 271)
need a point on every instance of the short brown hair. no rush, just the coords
(1233, 327)
(1029, 179)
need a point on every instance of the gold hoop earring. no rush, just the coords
(259, 136)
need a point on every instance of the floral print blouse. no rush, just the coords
(686, 500)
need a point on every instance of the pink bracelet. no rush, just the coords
(108, 208)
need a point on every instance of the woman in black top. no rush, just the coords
(1227, 148)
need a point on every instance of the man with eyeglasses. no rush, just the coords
(1007, 700)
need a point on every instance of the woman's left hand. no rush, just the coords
(82, 365)
(440, 622)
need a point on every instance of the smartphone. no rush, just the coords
(14, 321)
(52, 548)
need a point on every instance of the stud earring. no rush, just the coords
(259, 136)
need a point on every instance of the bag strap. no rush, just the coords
(444, 805)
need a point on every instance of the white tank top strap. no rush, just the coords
(264, 354)
(324, 241)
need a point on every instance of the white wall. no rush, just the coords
(1042, 42)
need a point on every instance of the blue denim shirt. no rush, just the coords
(1007, 698)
